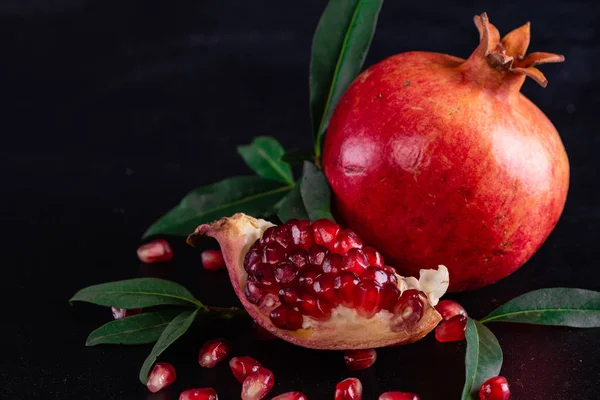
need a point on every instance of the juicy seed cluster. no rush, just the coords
(314, 267)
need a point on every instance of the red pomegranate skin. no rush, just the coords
(437, 160)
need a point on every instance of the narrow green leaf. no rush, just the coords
(339, 49)
(178, 326)
(294, 157)
(248, 194)
(483, 358)
(577, 308)
(138, 329)
(292, 206)
(316, 193)
(264, 155)
(137, 293)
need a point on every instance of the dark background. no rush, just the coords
(113, 110)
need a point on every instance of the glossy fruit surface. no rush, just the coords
(495, 388)
(199, 394)
(158, 250)
(212, 260)
(449, 308)
(348, 389)
(257, 384)
(243, 366)
(438, 160)
(162, 375)
(360, 359)
(213, 352)
(451, 330)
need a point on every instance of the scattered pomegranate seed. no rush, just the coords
(495, 388)
(301, 234)
(356, 261)
(285, 317)
(257, 384)
(155, 251)
(360, 359)
(290, 396)
(375, 259)
(367, 295)
(212, 260)
(324, 288)
(309, 304)
(399, 396)
(325, 232)
(120, 313)
(199, 394)
(213, 352)
(451, 330)
(347, 239)
(261, 333)
(243, 366)
(317, 254)
(333, 263)
(348, 389)
(161, 376)
(449, 308)
(289, 296)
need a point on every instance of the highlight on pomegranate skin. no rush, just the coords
(290, 396)
(213, 352)
(162, 375)
(495, 388)
(241, 367)
(399, 396)
(158, 250)
(451, 330)
(212, 260)
(317, 285)
(120, 313)
(349, 389)
(199, 394)
(257, 384)
(360, 359)
(449, 308)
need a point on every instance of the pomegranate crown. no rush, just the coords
(508, 54)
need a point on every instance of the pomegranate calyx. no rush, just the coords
(342, 328)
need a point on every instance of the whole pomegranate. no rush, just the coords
(439, 160)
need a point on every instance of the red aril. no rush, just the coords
(455, 164)
(257, 384)
(212, 260)
(360, 359)
(347, 239)
(120, 313)
(451, 330)
(155, 251)
(243, 366)
(199, 394)
(348, 389)
(213, 352)
(298, 289)
(399, 396)
(161, 376)
(290, 396)
(449, 308)
(495, 388)
(373, 256)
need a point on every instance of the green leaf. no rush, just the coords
(339, 49)
(264, 155)
(178, 326)
(137, 293)
(577, 308)
(294, 157)
(316, 193)
(248, 194)
(483, 359)
(292, 206)
(137, 329)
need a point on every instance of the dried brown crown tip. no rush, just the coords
(508, 53)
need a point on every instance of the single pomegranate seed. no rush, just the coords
(317, 254)
(367, 298)
(261, 333)
(257, 384)
(120, 313)
(199, 394)
(213, 352)
(324, 288)
(378, 275)
(333, 263)
(348, 389)
(265, 279)
(449, 308)
(408, 310)
(285, 317)
(451, 330)
(252, 257)
(289, 296)
(307, 278)
(389, 296)
(325, 232)
(268, 303)
(253, 292)
(360, 359)
(309, 304)
(495, 388)
(282, 235)
(290, 396)
(161, 376)
(273, 253)
(299, 258)
(243, 366)
(390, 271)
(347, 239)
(286, 274)
(268, 235)
(212, 260)
(301, 233)
(155, 251)
(345, 285)
(399, 396)
(356, 261)
(373, 256)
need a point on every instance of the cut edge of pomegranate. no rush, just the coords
(345, 330)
